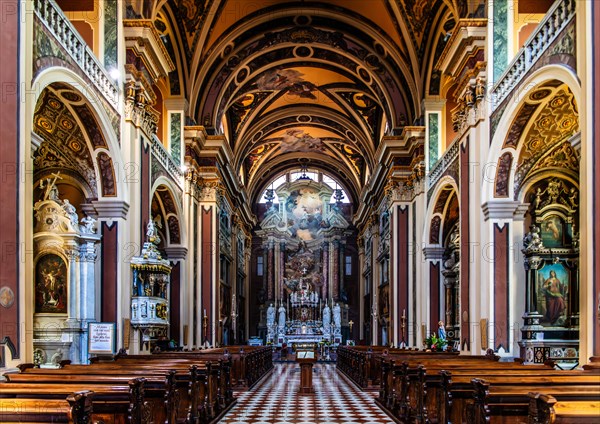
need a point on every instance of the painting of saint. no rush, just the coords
(51, 285)
(552, 294)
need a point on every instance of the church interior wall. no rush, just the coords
(452, 251)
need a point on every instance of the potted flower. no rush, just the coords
(434, 343)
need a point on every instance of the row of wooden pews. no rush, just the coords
(362, 364)
(248, 363)
(190, 387)
(428, 387)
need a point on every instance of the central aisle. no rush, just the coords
(276, 400)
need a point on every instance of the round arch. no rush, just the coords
(550, 72)
(177, 213)
(442, 184)
(65, 76)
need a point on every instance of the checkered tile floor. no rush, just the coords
(276, 400)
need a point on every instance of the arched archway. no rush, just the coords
(75, 161)
(534, 169)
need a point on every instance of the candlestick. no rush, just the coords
(404, 313)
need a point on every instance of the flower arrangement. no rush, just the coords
(435, 343)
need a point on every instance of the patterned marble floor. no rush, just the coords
(276, 400)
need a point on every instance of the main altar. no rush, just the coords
(303, 238)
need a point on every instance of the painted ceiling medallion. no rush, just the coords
(70, 96)
(540, 94)
(7, 297)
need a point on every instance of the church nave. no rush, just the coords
(276, 400)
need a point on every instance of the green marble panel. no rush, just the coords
(500, 53)
(434, 138)
(110, 34)
(176, 137)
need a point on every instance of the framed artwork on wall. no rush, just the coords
(51, 281)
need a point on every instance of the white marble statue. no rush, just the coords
(337, 316)
(281, 318)
(87, 225)
(72, 213)
(270, 316)
(326, 318)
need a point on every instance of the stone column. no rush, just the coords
(87, 303)
(335, 274)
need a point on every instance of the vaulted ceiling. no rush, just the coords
(321, 81)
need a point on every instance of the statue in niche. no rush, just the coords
(337, 316)
(71, 213)
(270, 316)
(326, 318)
(281, 317)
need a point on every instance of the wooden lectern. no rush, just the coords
(306, 356)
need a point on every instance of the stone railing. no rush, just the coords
(443, 163)
(52, 17)
(558, 17)
(166, 160)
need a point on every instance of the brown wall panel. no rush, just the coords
(175, 302)
(110, 262)
(208, 251)
(501, 293)
(402, 259)
(434, 296)
(465, 250)
(9, 166)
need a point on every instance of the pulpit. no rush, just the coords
(306, 356)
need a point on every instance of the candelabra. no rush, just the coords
(234, 315)
(403, 328)
(205, 326)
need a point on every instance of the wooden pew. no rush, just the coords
(213, 374)
(112, 404)
(546, 409)
(509, 403)
(160, 390)
(75, 409)
(458, 391)
(249, 363)
(402, 391)
(362, 364)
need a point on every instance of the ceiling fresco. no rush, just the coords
(320, 80)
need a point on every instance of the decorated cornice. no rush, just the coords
(400, 167)
(209, 158)
(468, 37)
(144, 40)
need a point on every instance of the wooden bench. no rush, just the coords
(200, 391)
(75, 409)
(510, 402)
(112, 404)
(161, 393)
(546, 409)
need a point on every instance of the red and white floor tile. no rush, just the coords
(276, 400)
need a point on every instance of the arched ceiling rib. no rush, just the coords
(323, 80)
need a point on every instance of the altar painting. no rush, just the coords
(51, 285)
(552, 287)
(304, 212)
(552, 229)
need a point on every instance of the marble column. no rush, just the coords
(325, 271)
